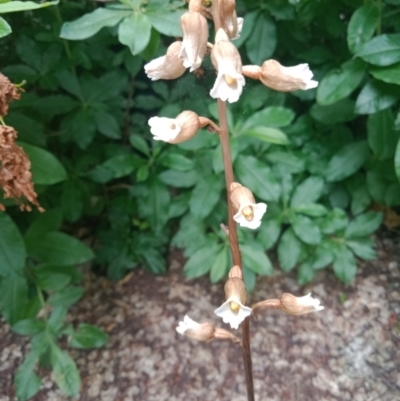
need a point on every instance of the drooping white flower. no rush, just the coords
(300, 305)
(248, 213)
(169, 66)
(233, 312)
(187, 324)
(226, 60)
(175, 130)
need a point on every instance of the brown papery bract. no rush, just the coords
(15, 175)
(8, 92)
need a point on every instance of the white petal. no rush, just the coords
(164, 129)
(231, 317)
(308, 300)
(228, 92)
(153, 69)
(187, 324)
(258, 211)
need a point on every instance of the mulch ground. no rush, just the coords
(348, 352)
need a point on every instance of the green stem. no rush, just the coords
(2, 121)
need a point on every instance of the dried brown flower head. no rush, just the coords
(15, 177)
(8, 92)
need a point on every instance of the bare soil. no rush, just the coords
(349, 351)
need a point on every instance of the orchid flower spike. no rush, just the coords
(169, 66)
(231, 24)
(300, 305)
(248, 212)
(233, 311)
(195, 35)
(226, 60)
(175, 130)
(280, 78)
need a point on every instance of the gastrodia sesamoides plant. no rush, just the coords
(243, 209)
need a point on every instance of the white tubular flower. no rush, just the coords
(231, 24)
(195, 35)
(300, 305)
(226, 60)
(169, 66)
(175, 130)
(233, 311)
(280, 78)
(197, 331)
(248, 212)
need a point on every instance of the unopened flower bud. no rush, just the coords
(226, 60)
(233, 310)
(231, 24)
(195, 35)
(169, 66)
(248, 212)
(300, 305)
(280, 78)
(175, 130)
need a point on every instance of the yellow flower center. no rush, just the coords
(248, 213)
(234, 306)
(229, 80)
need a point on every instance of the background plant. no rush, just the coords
(323, 157)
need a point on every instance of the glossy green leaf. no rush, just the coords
(270, 135)
(28, 327)
(88, 336)
(334, 221)
(205, 196)
(179, 179)
(273, 116)
(305, 273)
(306, 229)
(390, 74)
(134, 31)
(122, 165)
(26, 380)
(363, 248)
(347, 161)
(344, 265)
(249, 278)
(13, 298)
(46, 169)
(268, 233)
(323, 255)
(15, 5)
(309, 191)
(364, 224)
(338, 112)
(140, 144)
(167, 23)
(65, 371)
(5, 28)
(50, 279)
(376, 96)
(340, 82)
(381, 50)
(176, 161)
(311, 209)
(89, 24)
(255, 258)
(66, 297)
(201, 261)
(382, 138)
(291, 162)
(12, 247)
(362, 26)
(289, 250)
(107, 124)
(220, 266)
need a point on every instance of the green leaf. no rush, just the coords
(249, 278)
(363, 248)
(134, 31)
(311, 209)
(381, 50)
(364, 224)
(158, 201)
(107, 125)
(261, 43)
(344, 265)
(65, 371)
(154, 260)
(268, 233)
(390, 74)
(175, 161)
(334, 221)
(289, 250)
(220, 265)
(5, 29)
(46, 169)
(122, 165)
(255, 259)
(201, 261)
(12, 247)
(397, 160)
(48, 221)
(289, 161)
(305, 273)
(26, 380)
(66, 297)
(167, 23)
(270, 135)
(309, 191)
(205, 196)
(305, 229)
(50, 279)
(58, 249)
(273, 116)
(89, 24)
(13, 6)
(179, 179)
(347, 161)
(28, 327)
(382, 138)
(13, 298)
(341, 82)
(362, 26)
(88, 336)
(376, 96)
(323, 255)
(255, 175)
(338, 112)
(140, 144)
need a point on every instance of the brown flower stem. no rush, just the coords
(204, 121)
(232, 234)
